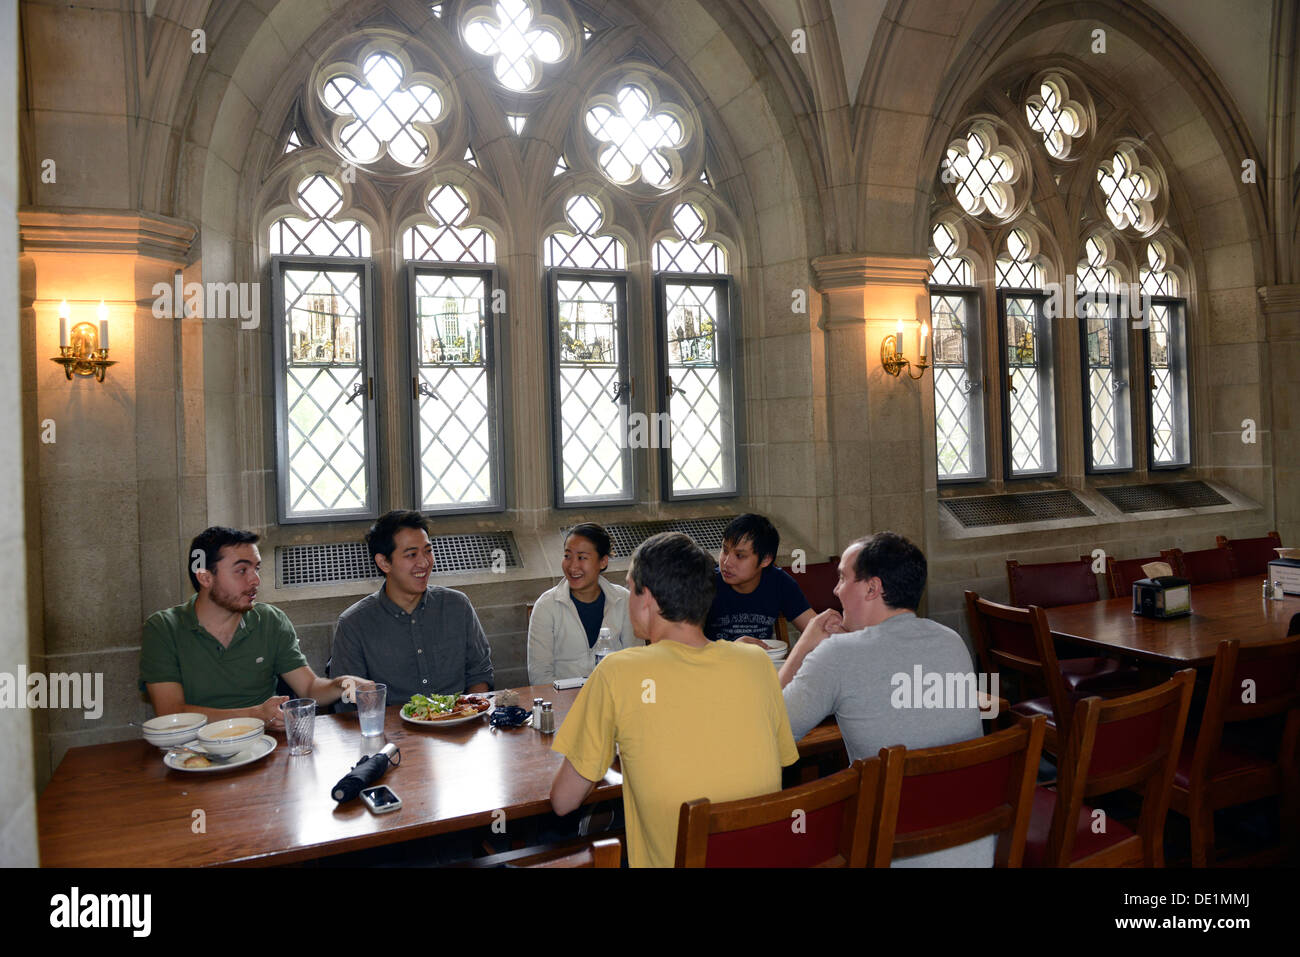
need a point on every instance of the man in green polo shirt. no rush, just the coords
(219, 653)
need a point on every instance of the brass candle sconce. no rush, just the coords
(85, 351)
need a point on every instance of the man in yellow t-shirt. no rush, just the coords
(692, 718)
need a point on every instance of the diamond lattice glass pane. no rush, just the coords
(1128, 189)
(320, 235)
(448, 242)
(635, 139)
(383, 108)
(1022, 338)
(326, 436)
(1026, 429)
(591, 419)
(1016, 270)
(1163, 396)
(1105, 428)
(982, 175)
(583, 248)
(695, 404)
(516, 43)
(952, 415)
(455, 421)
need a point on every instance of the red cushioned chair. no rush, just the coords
(1219, 769)
(817, 582)
(1250, 556)
(837, 812)
(1201, 567)
(1122, 573)
(1131, 742)
(1018, 639)
(1052, 584)
(937, 798)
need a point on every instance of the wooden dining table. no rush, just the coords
(118, 805)
(1221, 610)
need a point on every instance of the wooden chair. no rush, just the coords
(817, 582)
(1220, 770)
(781, 630)
(1130, 742)
(826, 823)
(606, 852)
(1051, 584)
(1201, 567)
(1250, 556)
(1019, 640)
(936, 798)
(1122, 573)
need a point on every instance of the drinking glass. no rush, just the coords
(299, 723)
(370, 709)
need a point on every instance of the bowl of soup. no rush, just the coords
(231, 734)
(168, 730)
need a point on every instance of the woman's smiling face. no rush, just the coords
(582, 564)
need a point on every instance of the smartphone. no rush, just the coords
(381, 799)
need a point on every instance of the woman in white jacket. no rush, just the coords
(567, 619)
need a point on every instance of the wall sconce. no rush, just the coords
(891, 353)
(87, 353)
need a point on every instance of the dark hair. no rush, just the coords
(211, 541)
(595, 534)
(381, 538)
(898, 564)
(678, 574)
(761, 533)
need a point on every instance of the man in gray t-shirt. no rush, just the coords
(415, 637)
(850, 666)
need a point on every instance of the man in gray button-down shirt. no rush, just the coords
(415, 637)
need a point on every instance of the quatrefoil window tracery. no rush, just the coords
(388, 112)
(982, 172)
(518, 40)
(1053, 114)
(638, 140)
(1129, 189)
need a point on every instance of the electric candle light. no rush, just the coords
(63, 324)
(925, 332)
(103, 325)
(898, 339)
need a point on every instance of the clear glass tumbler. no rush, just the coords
(299, 724)
(370, 709)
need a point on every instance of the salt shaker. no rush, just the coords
(537, 713)
(1268, 590)
(1278, 593)
(548, 719)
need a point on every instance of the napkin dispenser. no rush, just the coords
(1165, 597)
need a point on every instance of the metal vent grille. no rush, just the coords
(1152, 498)
(350, 561)
(976, 511)
(705, 532)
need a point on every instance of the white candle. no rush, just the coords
(898, 339)
(102, 312)
(63, 324)
(925, 332)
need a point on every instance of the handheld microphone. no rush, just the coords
(365, 773)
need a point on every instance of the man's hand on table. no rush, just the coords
(750, 640)
(269, 711)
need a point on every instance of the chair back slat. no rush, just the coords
(936, 798)
(817, 582)
(1251, 556)
(1050, 584)
(823, 823)
(1121, 573)
(1019, 639)
(1201, 567)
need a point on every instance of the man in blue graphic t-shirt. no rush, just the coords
(751, 591)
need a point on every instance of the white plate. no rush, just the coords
(445, 723)
(259, 749)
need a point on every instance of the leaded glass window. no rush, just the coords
(386, 108)
(637, 140)
(517, 39)
(591, 389)
(584, 247)
(688, 253)
(1129, 190)
(326, 432)
(1029, 439)
(982, 172)
(1169, 438)
(958, 386)
(456, 434)
(1104, 348)
(947, 267)
(1016, 269)
(320, 233)
(448, 242)
(1051, 113)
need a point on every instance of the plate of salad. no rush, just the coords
(445, 710)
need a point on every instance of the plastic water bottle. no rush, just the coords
(604, 645)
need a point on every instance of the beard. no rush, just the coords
(232, 601)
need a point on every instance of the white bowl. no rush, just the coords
(169, 730)
(230, 735)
